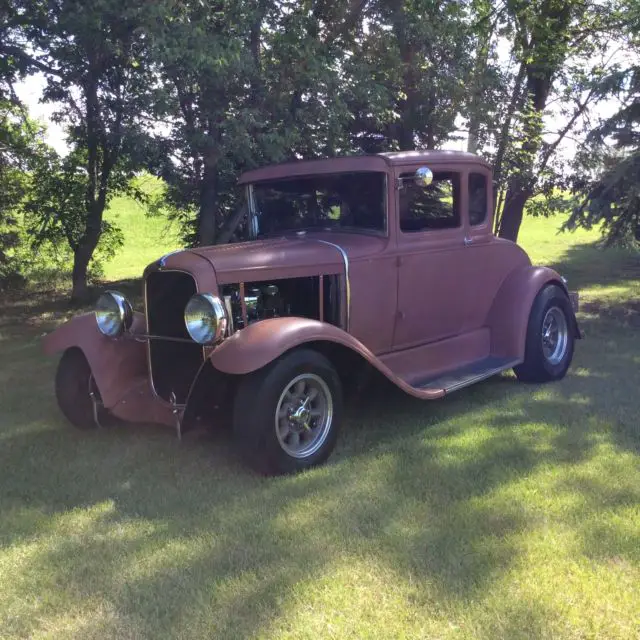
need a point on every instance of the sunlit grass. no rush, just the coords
(504, 511)
(146, 238)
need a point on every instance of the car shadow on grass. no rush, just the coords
(181, 539)
(589, 263)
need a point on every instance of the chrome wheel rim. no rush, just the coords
(304, 414)
(555, 335)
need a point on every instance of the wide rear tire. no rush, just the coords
(550, 337)
(288, 414)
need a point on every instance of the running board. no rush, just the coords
(467, 375)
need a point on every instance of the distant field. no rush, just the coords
(506, 511)
(146, 239)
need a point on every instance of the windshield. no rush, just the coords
(350, 201)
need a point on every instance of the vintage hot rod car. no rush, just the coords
(387, 261)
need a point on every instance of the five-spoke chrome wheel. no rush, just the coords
(555, 335)
(303, 415)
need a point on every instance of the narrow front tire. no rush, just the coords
(74, 385)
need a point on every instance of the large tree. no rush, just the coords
(246, 83)
(20, 143)
(558, 51)
(407, 75)
(258, 82)
(94, 59)
(608, 175)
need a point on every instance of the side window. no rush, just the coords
(434, 207)
(477, 198)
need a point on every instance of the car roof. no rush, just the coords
(374, 162)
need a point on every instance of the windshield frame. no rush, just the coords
(253, 227)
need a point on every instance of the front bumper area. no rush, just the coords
(574, 298)
(139, 404)
(119, 368)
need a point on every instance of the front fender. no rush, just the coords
(115, 363)
(259, 344)
(509, 313)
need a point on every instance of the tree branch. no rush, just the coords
(11, 50)
(232, 224)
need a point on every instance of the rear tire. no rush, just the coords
(287, 415)
(550, 337)
(73, 384)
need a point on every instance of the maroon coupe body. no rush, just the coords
(385, 261)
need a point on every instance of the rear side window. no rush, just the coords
(477, 198)
(434, 207)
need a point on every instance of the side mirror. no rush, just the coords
(423, 177)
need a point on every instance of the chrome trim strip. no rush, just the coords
(482, 376)
(144, 337)
(477, 378)
(321, 301)
(163, 259)
(252, 218)
(386, 205)
(243, 304)
(345, 258)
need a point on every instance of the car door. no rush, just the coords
(431, 246)
(487, 260)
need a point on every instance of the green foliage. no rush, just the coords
(55, 210)
(94, 59)
(556, 72)
(613, 202)
(407, 76)
(551, 203)
(254, 84)
(197, 91)
(21, 147)
(608, 180)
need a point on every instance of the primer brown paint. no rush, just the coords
(420, 303)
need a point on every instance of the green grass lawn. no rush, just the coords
(146, 238)
(504, 511)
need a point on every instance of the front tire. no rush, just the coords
(74, 384)
(550, 338)
(287, 415)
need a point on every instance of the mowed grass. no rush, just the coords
(504, 511)
(146, 238)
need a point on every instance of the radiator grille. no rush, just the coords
(173, 365)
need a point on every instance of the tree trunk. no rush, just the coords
(407, 105)
(207, 218)
(513, 213)
(80, 290)
(81, 258)
(505, 128)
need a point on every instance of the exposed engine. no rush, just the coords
(290, 297)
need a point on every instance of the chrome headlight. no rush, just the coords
(205, 318)
(113, 314)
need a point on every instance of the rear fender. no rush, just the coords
(116, 364)
(509, 313)
(261, 343)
